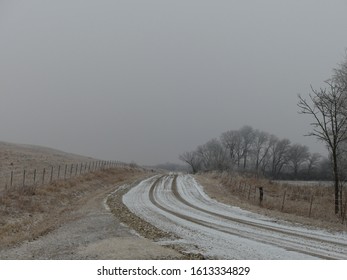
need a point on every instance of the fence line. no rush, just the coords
(284, 202)
(23, 178)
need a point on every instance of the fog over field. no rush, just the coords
(145, 81)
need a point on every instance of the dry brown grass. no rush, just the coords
(17, 158)
(291, 202)
(30, 211)
(28, 214)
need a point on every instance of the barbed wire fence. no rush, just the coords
(306, 202)
(23, 178)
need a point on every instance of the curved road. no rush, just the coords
(178, 204)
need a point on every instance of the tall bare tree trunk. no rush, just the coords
(336, 183)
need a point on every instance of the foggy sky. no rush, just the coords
(145, 81)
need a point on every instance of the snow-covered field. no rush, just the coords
(179, 205)
(306, 183)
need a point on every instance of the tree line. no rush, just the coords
(251, 150)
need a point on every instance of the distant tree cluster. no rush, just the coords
(252, 150)
(169, 166)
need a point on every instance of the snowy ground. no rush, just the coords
(179, 205)
(306, 183)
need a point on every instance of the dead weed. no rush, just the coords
(28, 213)
(312, 205)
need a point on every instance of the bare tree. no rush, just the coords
(279, 153)
(192, 159)
(232, 142)
(266, 163)
(261, 148)
(312, 163)
(297, 155)
(247, 136)
(325, 169)
(213, 155)
(327, 106)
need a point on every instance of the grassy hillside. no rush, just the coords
(16, 158)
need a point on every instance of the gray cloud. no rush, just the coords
(147, 80)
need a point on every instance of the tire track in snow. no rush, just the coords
(292, 245)
(185, 210)
(295, 245)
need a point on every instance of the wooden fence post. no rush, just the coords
(65, 172)
(34, 179)
(43, 176)
(283, 200)
(310, 211)
(24, 178)
(58, 172)
(261, 195)
(51, 179)
(71, 170)
(11, 180)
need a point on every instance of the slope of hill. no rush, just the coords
(16, 158)
(13, 156)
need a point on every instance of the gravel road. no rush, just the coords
(90, 231)
(171, 217)
(178, 204)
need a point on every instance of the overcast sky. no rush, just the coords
(145, 81)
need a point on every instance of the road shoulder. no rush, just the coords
(88, 230)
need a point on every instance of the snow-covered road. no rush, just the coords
(178, 204)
